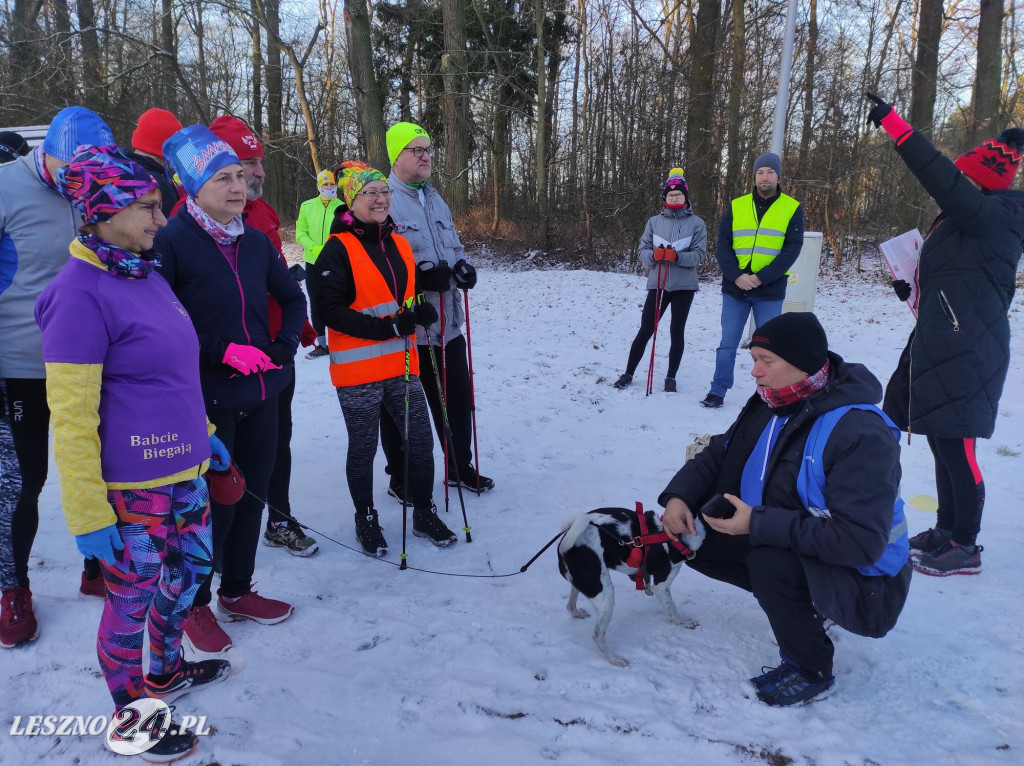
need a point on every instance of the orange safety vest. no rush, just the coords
(358, 360)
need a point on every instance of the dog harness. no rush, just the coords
(637, 558)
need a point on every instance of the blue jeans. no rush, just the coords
(735, 312)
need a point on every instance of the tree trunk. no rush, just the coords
(167, 65)
(809, 101)
(257, 72)
(926, 66)
(92, 66)
(369, 109)
(455, 105)
(985, 119)
(699, 118)
(734, 163)
(542, 140)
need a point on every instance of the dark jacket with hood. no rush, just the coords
(951, 373)
(862, 477)
(168, 194)
(229, 306)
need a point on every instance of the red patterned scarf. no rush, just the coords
(787, 395)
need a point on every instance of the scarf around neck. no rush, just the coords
(119, 262)
(778, 398)
(223, 234)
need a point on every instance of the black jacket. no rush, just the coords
(951, 373)
(168, 194)
(229, 308)
(862, 477)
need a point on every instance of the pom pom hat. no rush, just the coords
(994, 163)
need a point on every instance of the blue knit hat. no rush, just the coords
(73, 127)
(196, 154)
(769, 160)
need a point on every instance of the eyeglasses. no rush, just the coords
(419, 151)
(152, 208)
(374, 193)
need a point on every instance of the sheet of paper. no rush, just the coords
(902, 253)
(679, 244)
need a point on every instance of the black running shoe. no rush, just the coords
(624, 380)
(469, 480)
(370, 535)
(318, 352)
(189, 676)
(670, 385)
(713, 401)
(395, 489)
(426, 523)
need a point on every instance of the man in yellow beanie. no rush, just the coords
(442, 272)
(312, 228)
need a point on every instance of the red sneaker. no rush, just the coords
(93, 587)
(17, 620)
(252, 606)
(202, 633)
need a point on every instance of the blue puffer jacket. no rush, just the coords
(951, 374)
(862, 477)
(231, 308)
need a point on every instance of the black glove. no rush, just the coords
(280, 353)
(405, 321)
(465, 275)
(298, 272)
(426, 314)
(878, 112)
(434, 277)
(902, 288)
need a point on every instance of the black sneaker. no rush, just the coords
(784, 686)
(292, 537)
(370, 535)
(318, 352)
(713, 401)
(395, 489)
(469, 480)
(188, 676)
(670, 385)
(624, 380)
(928, 541)
(426, 523)
(950, 559)
(173, 746)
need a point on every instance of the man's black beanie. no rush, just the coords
(797, 337)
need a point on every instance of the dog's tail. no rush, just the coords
(573, 529)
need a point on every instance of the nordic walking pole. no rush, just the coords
(448, 434)
(442, 393)
(472, 392)
(405, 455)
(657, 317)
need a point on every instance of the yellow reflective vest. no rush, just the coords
(757, 243)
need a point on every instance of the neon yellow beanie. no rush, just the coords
(400, 135)
(324, 177)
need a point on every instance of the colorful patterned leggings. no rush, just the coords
(167, 555)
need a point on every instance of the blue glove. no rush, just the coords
(220, 460)
(101, 544)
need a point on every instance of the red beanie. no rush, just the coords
(155, 126)
(994, 163)
(238, 135)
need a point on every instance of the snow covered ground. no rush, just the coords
(380, 666)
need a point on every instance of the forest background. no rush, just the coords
(555, 121)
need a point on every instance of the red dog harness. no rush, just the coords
(637, 558)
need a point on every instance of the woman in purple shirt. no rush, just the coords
(131, 438)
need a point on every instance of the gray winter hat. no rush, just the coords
(769, 160)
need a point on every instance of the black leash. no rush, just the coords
(402, 566)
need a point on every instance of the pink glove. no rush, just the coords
(248, 359)
(895, 126)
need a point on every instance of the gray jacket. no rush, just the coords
(429, 227)
(672, 226)
(36, 225)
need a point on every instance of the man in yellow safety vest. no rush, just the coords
(759, 238)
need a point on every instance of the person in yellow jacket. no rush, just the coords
(367, 299)
(759, 238)
(312, 228)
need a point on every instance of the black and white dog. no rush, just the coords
(599, 541)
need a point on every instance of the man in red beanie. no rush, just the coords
(951, 373)
(154, 127)
(282, 529)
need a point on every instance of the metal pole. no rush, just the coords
(782, 99)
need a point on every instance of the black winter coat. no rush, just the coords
(231, 308)
(862, 477)
(951, 373)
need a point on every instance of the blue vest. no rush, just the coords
(810, 483)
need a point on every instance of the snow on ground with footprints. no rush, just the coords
(381, 666)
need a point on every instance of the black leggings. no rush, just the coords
(959, 486)
(680, 301)
(250, 434)
(312, 285)
(281, 478)
(27, 443)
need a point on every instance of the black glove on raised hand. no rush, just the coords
(298, 272)
(878, 112)
(434, 277)
(465, 274)
(902, 288)
(426, 314)
(280, 353)
(405, 321)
